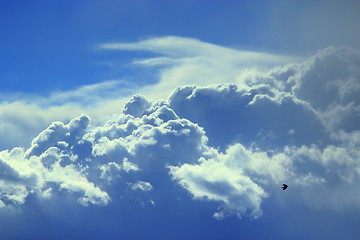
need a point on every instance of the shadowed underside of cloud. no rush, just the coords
(231, 144)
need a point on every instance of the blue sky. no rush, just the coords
(179, 119)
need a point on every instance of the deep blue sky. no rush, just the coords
(50, 45)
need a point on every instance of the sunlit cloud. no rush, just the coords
(182, 61)
(232, 144)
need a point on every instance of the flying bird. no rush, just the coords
(284, 186)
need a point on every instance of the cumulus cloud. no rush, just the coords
(180, 61)
(141, 185)
(84, 160)
(23, 175)
(23, 116)
(232, 144)
(328, 82)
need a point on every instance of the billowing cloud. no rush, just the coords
(229, 144)
(328, 82)
(39, 175)
(178, 62)
(23, 116)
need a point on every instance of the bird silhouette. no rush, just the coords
(284, 186)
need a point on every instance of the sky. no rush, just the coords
(179, 119)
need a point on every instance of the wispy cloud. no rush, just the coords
(185, 61)
(182, 47)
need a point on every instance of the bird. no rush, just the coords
(284, 187)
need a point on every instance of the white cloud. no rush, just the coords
(23, 175)
(58, 132)
(23, 116)
(128, 166)
(73, 180)
(13, 192)
(141, 185)
(111, 169)
(180, 47)
(213, 180)
(327, 82)
(182, 61)
(187, 61)
(233, 144)
(241, 178)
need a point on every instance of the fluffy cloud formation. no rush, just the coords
(328, 82)
(302, 136)
(23, 116)
(42, 175)
(177, 61)
(232, 144)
